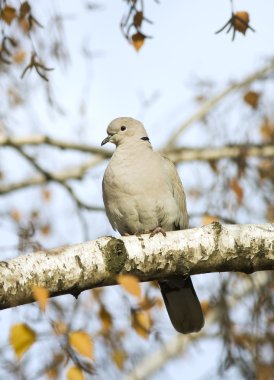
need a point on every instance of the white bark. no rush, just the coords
(72, 269)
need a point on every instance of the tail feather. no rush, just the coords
(182, 305)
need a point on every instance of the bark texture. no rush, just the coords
(72, 269)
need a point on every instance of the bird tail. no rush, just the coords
(182, 305)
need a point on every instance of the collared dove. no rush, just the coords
(143, 193)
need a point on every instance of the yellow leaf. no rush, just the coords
(147, 303)
(21, 338)
(206, 306)
(81, 342)
(106, 318)
(267, 130)
(25, 24)
(130, 284)
(40, 295)
(16, 215)
(52, 373)
(8, 14)
(46, 229)
(19, 57)
(141, 322)
(75, 373)
(138, 40)
(207, 219)
(119, 358)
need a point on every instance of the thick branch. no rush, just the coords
(72, 269)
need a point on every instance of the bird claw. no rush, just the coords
(157, 230)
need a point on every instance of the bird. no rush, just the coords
(143, 193)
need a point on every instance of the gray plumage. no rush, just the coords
(142, 191)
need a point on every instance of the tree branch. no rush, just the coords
(182, 154)
(72, 269)
(208, 154)
(210, 103)
(37, 140)
(151, 363)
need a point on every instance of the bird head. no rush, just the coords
(125, 129)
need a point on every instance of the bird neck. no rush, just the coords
(134, 145)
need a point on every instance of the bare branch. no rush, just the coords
(179, 343)
(174, 154)
(14, 141)
(72, 269)
(209, 104)
(208, 154)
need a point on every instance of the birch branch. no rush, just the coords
(210, 103)
(231, 152)
(72, 269)
(182, 154)
(175, 155)
(37, 140)
(76, 173)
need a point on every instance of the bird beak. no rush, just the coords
(105, 141)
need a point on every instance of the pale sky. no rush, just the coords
(184, 48)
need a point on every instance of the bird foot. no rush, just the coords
(157, 230)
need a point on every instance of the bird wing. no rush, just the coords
(176, 187)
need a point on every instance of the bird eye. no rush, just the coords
(123, 128)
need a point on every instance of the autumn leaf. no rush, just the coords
(138, 40)
(267, 130)
(106, 318)
(270, 213)
(19, 57)
(52, 373)
(46, 229)
(141, 322)
(21, 338)
(236, 187)
(207, 219)
(138, 19)
(24, 9)
(8, 14)
(16, 215)
(40, 295)
(119, 357)
(206, 307)
(24, 24)
(130, 284)
(241, 21)
(75, 373)
(81, 342)
(252, 98)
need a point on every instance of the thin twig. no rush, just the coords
(209, 104)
